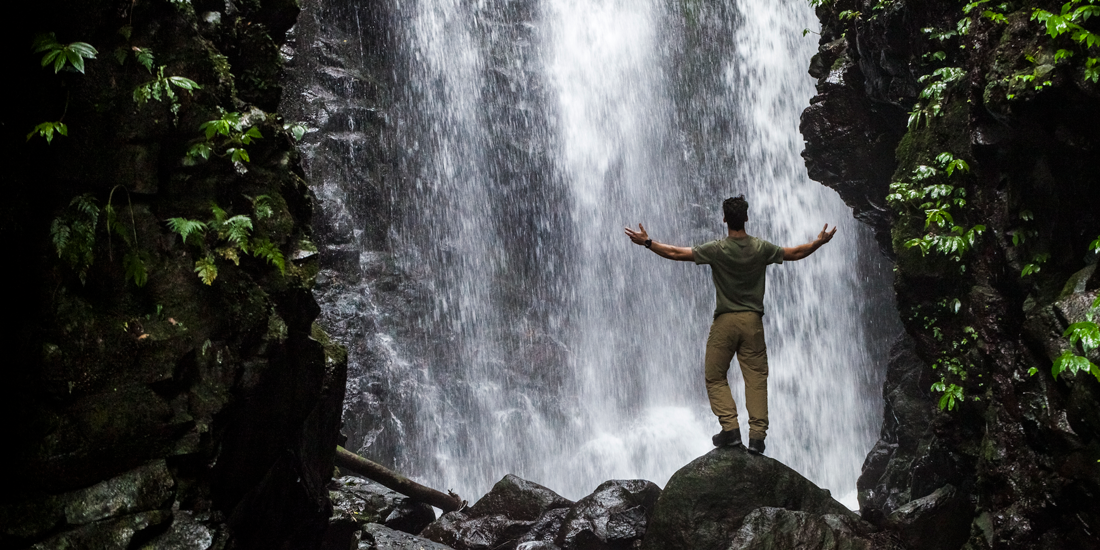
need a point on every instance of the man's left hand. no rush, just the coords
(638, 237)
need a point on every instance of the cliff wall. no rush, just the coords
(966, 135)
(164, 385)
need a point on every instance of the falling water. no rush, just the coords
(510, 326)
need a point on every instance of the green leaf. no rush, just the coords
(134, 266)
(1071, 362)
(73, 234)
(185, 227)
(126, 31)
(199, 150)
(185, 83)
(266, 250)
(219, 215)
(1086, 332)
(1032, 371)
(236, 229)
(145, 58)
(261, 207)
(83, 49)
(45, 41)
(47, 129)
(238, 154)
(207, 270)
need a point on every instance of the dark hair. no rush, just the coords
(736, 210)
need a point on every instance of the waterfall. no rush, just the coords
(498, 319)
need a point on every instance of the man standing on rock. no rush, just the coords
(737, 264)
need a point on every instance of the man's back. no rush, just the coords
(738, 266)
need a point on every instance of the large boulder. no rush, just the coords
(706, 502)
(782, 529)
(379, 537)
(501, 518)
(940, 520)
(357, 502)
(613, 517)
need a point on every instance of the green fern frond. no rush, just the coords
(261, 206)
(185, 227)
(267, 250)
(236, 229)
(134, 265)
(207, 270)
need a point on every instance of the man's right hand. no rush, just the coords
(826, 235)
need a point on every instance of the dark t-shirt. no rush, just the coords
(737, 266)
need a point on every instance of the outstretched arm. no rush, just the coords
(678, 253)
(793, 253)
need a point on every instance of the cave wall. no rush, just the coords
(1012, 463)
(171, 414)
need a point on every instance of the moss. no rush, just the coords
(334, 351)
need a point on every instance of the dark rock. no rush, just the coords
(360, 501)
(188, 531)
(940, 520)
(112, 534)
(850, 139)
(484, 533)
(887, 478)
(144, 488)
(379, 537)
(705, 502)
(546, 528)
(614, 516)
(781, 529)
(518, 499)
(538, 545)
(502, 518)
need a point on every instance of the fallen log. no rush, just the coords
(448, 502)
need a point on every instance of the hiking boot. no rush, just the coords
(731, 438)
(756, 446)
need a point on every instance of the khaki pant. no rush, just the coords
(740, 333)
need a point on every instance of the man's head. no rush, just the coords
(736, 210)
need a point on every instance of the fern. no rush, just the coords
(134, 266)
(185, 227)
(267, 250)
(236, 230)
(207, 270)
(261, 207)
(230, 253)
(73, 234)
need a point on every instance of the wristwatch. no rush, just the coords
(648, 242)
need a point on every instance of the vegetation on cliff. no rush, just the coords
(988, 205)
(166, 332)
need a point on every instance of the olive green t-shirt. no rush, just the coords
(737, 267)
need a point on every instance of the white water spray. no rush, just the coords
(543, 343)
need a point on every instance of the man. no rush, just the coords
(737, 265)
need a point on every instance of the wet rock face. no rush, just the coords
(613, 517)
(380, 537)
(357, 502)
(779, 529)
(850, 139)
(706, 502)
(1004, 459)
(157, 410)
(513, 511)
(521, 514)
